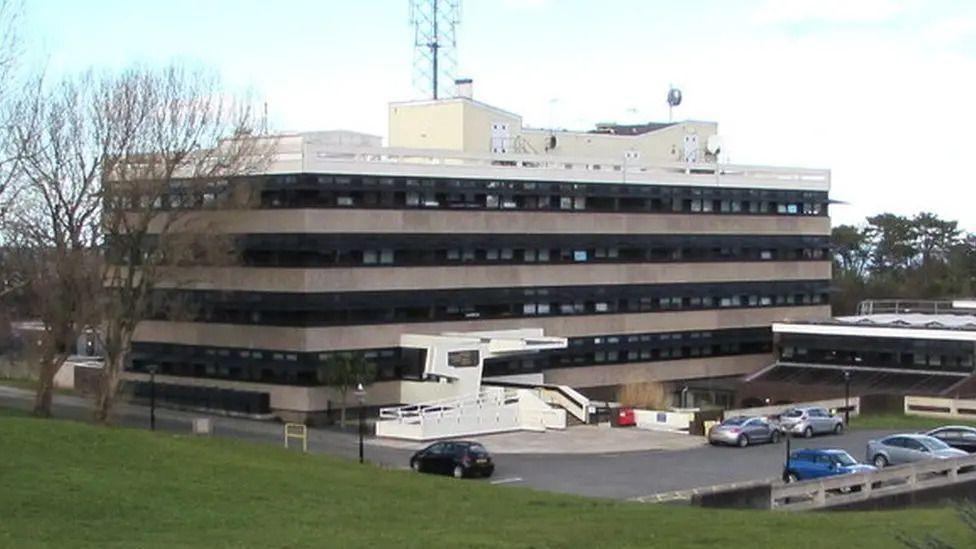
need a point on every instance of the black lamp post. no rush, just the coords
(152, 368)
(847, 398)
(361, 397)
(786, 464)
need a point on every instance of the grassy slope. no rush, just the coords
(69, 484)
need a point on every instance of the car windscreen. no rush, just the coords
(933, 443)
(793, 413)
(843, 459)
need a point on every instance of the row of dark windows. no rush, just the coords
(399, 192)
(245, 402)
(622, 349)
(359, 249)
(882, 352)
(354, 308)
(291, 368)
(346, 250)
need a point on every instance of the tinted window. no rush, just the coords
(435, 448)
(913, 444)
(793, 413)
(802, 457)
(477, 450)
(897, 442)
(735, 421)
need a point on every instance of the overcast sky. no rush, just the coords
(881, 92)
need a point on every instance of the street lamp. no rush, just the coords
(152, 369)
(361, 398)
(786, 464)
(847, 399)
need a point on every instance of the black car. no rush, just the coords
(460, 458)
(957, 436)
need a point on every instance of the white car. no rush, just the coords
(809, 421)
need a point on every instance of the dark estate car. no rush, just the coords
(958, 436)
(460, 458)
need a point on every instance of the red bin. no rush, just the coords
(624, 417)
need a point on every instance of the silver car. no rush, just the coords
(742, 431)
(809, 421)
(898, 449)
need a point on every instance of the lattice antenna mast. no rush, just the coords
(435, 45)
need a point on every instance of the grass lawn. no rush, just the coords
(901, 421)
(69, 484)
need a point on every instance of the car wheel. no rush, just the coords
(774, 438)
(458, 471)
(880, 461)
(839, 429)
(808, 432)
(742, 441)
(791, 478)
(415, 465)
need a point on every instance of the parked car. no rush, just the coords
(959, 437)
(742, 431)
(898, 449)
(809, 421)
(460, 458)
(816, 463)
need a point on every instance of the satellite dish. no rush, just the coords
(674, 97)
(714, 145)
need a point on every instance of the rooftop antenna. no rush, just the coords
(674, 99)
(435, 44)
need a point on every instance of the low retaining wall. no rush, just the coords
(949, 408)
(663, 420)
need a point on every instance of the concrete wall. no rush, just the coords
(503, 222)
(486, 276)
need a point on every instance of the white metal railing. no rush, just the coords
(940, 407)
(449, 408)
(606, 168)
(903, 306)
(845, 489)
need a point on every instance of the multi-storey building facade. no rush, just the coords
(654, 271)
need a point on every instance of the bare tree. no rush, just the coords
(10, 153)
(52, 230)
(188, 144)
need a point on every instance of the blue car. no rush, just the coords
(817, 463)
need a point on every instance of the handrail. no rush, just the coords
(576, 399)
(844, 489)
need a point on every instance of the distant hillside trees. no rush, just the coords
(893, 256)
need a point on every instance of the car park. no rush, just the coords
(809, 421)
(908, 448)
(809, 463)
(957, 436)
(459, 458)
(742, 431)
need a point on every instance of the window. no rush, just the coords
(579, 255)
(386, 256)
(370, 257)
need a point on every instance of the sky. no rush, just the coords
(881, 92)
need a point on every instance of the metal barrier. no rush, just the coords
(846, 489)
(299, 431)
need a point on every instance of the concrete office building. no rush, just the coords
(655, 261)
